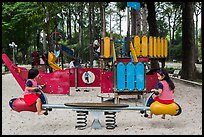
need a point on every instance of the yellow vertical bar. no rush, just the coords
(114, 53)
(162, 47)
(144, 46)
(150, 48)
(107, 47)
(137, 45)
(133, 52)
(155, 47)
(158, 47)
(165, 47)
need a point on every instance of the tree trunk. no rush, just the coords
(120, 27)
(138, 23)
(104, 23)
(91, 33)
(201, 29)
(133, 21)
(38, 40)
(151, 18)
(196, 40)
(128, 34)
(80, 31)
(101, 16)
(188, 42)
(169, 50)
(69, 27)
(144, 20)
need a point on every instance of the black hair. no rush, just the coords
(163, 72)
(32, 73)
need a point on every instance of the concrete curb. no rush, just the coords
(187, 81)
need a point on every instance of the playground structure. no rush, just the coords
(127, 74)
(52, 56)
(117, 76)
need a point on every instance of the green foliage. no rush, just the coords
(20, 22)
(176, 52)
(170, 70)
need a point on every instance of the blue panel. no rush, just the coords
(130, 72)
(134, 5)
(120, 76)
(140, 76)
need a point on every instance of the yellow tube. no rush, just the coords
(158, 108)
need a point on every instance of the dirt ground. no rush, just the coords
(129, 122)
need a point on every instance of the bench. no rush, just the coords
(176, 73)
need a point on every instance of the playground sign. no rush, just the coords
(134, 5)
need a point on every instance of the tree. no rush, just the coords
(21, 23)
(170, 11)
(188, 42)
(197, 13)
(151, 18)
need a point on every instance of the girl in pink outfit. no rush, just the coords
(30, 94)
(165, 88)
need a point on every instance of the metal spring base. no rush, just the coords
(81, 119)
(110, 120)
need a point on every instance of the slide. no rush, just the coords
(51, 61)
(67, 51)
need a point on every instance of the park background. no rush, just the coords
(30, 24)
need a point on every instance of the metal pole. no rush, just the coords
(128, 34)
(13, 55)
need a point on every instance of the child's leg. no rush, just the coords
(163, 116)
(39, 106)
(150, 115)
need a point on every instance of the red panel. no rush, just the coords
(151, 80)
(143, 59)
(72, 77)
(19, 73)
(56, 82)
(140, 59)
(95, 71)
(123, 60)
(107, 82)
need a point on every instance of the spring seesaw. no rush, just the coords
(97, 109)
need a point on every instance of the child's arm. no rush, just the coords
(31, 89)
(156, 91)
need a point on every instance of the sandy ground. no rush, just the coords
(129, 122)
